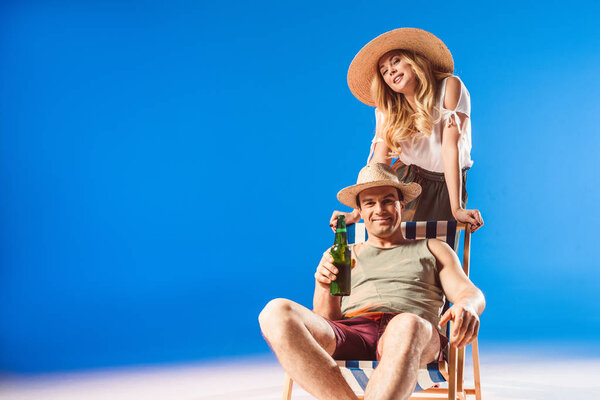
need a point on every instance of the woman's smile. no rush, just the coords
(398, 78)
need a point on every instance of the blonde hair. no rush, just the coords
(401, 122)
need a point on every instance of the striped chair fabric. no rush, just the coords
(442, 230)
(357, 373)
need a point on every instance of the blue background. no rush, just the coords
(168, 168)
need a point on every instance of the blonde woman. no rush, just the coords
(422, 120)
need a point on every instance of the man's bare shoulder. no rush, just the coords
(440, 249)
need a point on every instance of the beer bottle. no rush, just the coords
(341, 259)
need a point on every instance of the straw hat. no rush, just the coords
(375, 175)
(364, 66)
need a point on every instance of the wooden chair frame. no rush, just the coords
(454, 373)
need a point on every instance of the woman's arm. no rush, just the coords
(450, 158)
(451, 164)
(381, 154)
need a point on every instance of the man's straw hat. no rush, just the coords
(375, 175)
(364, 66)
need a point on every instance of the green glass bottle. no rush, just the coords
(342, 260)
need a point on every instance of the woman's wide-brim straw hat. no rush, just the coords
(375, 175)
(363, 67)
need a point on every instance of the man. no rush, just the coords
(393, 312)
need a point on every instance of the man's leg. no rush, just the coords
(409, 342)
(303, 342)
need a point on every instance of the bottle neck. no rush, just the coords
(340, 237)
(340, 231)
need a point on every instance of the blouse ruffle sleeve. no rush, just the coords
(463, 106)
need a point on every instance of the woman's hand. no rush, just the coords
(472, 217)
(351, 218)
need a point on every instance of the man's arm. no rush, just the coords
(324, 304)
(467, 300)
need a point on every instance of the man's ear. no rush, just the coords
(402, 205)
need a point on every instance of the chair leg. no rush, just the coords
(460, 370)
(452, 373)
(475, 349)
(287, 387)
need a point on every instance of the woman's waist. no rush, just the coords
(429, 158)
(423, 172)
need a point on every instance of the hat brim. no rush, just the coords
(363, 67)
(347, 196)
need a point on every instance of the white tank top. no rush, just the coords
(426, 152)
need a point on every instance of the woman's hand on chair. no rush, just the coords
(472, 217)
(351, 218)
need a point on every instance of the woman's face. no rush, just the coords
(397, 73)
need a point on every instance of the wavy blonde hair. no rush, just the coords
(401, 121)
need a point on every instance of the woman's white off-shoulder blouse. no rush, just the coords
(426, 152)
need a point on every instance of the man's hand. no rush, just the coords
(326, 271)
(465, 324)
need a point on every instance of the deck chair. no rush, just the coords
(357, 373)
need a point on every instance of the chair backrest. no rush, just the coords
(442, 230)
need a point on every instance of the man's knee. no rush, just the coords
(276, 315)
(408, 327)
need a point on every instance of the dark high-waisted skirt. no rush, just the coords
(434, 202)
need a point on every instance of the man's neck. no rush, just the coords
(394, 240)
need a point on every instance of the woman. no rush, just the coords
(422, 119)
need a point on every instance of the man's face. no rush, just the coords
(381, 210)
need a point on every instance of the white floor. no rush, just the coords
(510, 374)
